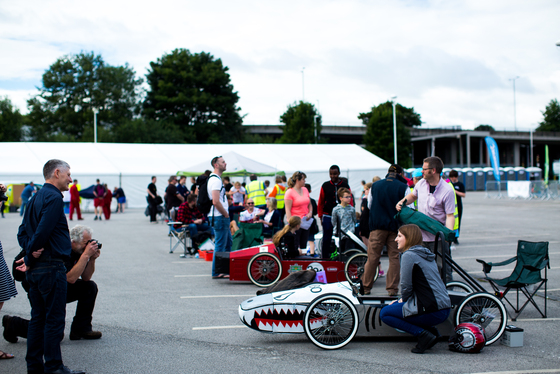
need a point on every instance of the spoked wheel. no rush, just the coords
(264, 269)
(354, 268)
(459, 287)
(485, 310)
(330, 321)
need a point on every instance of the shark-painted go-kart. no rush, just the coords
(265, 265)
(332, 314)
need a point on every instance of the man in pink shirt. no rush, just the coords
(436, 199)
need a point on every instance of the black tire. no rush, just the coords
(459, 287)
(330, 321)
(485, 310)
(264, 269)
(354, 268)
(351, 252)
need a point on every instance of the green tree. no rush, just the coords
(484, 128)
(192, 94)
(379, 134)
(551, 120)
(72, 87)
(140, 130)
(11, 121)
(299, 124)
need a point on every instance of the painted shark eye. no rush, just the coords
(284, 296)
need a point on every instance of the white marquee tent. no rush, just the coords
(131, 165)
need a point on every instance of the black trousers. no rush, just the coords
(153, 207)
(84, 292)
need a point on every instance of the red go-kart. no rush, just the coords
(264, 265)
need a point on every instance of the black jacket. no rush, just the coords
(385, 195)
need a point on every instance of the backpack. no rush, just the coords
(203, 202)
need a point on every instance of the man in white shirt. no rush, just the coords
(218, 216)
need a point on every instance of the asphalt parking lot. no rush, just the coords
(160, 313)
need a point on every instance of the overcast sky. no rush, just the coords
(452, 61)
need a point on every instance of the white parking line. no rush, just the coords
(505, 270)
(522, 371)
(214, 296)
(490, 256)
(538, 319)
(219, 327)
(191, 275)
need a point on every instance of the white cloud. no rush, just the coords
(451, 61)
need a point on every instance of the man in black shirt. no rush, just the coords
(45, 229)
(328, 199)
(173, 198)
(461, 192)
(153, 200)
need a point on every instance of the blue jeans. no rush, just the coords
(47, 294)
(194, 228)
(22, 208)
(392, 316)
(222, 238)
(327, 236)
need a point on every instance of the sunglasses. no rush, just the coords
(250, 203)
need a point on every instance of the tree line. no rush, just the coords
(188, 98)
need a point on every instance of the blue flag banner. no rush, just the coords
(494, 156)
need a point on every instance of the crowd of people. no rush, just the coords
(288, 214)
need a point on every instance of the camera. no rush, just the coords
(99, 245)
(3, 196)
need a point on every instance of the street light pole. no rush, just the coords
(315, 124)
(394, 127)
(531, 144)
(95, 111)
(514, 114)
(302, 84)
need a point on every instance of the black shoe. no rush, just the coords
(65, 370)
(88, 335)
(9, 335)
(95, 219)
(426, 340)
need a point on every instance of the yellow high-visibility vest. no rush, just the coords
(456, 226)
(279, 196)
(255, 191)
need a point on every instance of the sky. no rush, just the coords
(452, 61)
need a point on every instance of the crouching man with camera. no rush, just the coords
(80, 287)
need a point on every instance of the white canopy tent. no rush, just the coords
(131, 165)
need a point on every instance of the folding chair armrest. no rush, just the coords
(540, 266)
(486, 267)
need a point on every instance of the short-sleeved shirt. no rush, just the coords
(435, 205)
(246, 216)
(300, 204)
(215, 184)
(171, 196)
(99, 190)
(238, 197)
(460, 187)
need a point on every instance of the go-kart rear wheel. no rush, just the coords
(354, 268)
(264, 269)
(330, 321)
(459, 287)
(485, 310)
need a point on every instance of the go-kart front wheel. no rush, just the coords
(330, 321)
(354, 268)
(485, 310)
(264, 269)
